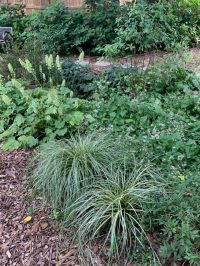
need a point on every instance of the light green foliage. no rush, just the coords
(29, 116)
(113, 206)
(61, 170)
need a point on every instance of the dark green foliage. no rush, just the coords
(147, 26)
(188, 13)
(143, 26)
(102, 23)
(13, 16)
(178, 216)
(78, 78)
(170, 77)
(65, 32)
(164, 120)
(23, 52)
(59, 30)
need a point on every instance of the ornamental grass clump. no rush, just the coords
(113, 208)
(62, 169)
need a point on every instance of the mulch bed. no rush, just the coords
(37, 242)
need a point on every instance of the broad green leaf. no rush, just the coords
(31, 141)
(11, 144)
(6, 99)
(53, 97)
(19, 120)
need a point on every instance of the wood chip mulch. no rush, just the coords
(32, 243)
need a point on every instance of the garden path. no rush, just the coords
(98, 65)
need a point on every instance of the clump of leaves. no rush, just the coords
(62, 169)
(36, 56)
(13, 16)
(157, 25)
(178, 213)
(31, 116)
(78, 78)
(113, 207)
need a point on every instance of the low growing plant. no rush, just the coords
(78, 78)
(113, 207)
(62, 169)
(31, 116)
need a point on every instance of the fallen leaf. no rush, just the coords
(28, 219)
(44, 226)
(8, 254)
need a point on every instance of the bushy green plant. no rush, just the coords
(29, 116)
(171, 76)
(151, 26)
(78, 78)
(113, 207)
(65, 32)
(13, 16)
(60, 31)
(188, 16)
(61, 170)
(101, 19)
(179, 220)
(36, 56)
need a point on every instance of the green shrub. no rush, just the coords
(113, 207)
(101, 19)
(171, 76)
(17, 51)
(153, 26)
(63, 169)
(188, 14)
(65, 32)
(78, 78)
(29, 116)
(179, 219)
(13, 16)
(60, 31)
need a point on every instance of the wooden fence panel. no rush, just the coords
(40, 4)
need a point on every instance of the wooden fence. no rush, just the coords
(41, 4)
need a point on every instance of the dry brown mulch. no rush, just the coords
(28, 243)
